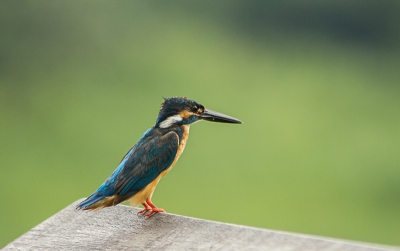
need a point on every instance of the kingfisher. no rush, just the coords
(152, 157)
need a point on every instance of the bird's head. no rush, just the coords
(183, 111)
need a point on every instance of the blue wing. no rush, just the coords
(153, 154)
(150, 158)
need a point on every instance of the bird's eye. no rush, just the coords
(194, 108)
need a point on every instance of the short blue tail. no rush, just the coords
(84, 205)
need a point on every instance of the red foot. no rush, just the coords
(153, 211)
(149, 206)
(145, 209)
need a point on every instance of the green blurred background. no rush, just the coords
(316, 84)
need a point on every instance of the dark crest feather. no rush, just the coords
(172, 106)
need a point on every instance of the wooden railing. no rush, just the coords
(118, 228)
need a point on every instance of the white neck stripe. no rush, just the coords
(170, 121)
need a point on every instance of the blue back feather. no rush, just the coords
(154, 152)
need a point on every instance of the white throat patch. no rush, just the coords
(170, 121)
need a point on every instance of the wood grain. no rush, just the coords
(118, 228)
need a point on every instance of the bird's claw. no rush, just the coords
(154, 211)
(143, 211)
(146, 208)
(149, 206)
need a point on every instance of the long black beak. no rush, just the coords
(218, 117)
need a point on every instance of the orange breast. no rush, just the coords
(181, 147)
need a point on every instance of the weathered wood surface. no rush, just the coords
(118, 228)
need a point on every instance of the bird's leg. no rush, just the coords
(153, 208)
(145, 209)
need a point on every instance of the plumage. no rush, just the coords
(153, 156)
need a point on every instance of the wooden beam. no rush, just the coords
(118, 228)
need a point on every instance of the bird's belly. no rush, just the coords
(147, 192)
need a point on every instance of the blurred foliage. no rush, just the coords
(316, 84)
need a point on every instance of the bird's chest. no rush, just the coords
(181, 147)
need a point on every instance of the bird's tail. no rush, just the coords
(96, 201)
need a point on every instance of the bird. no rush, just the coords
(152, 157)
